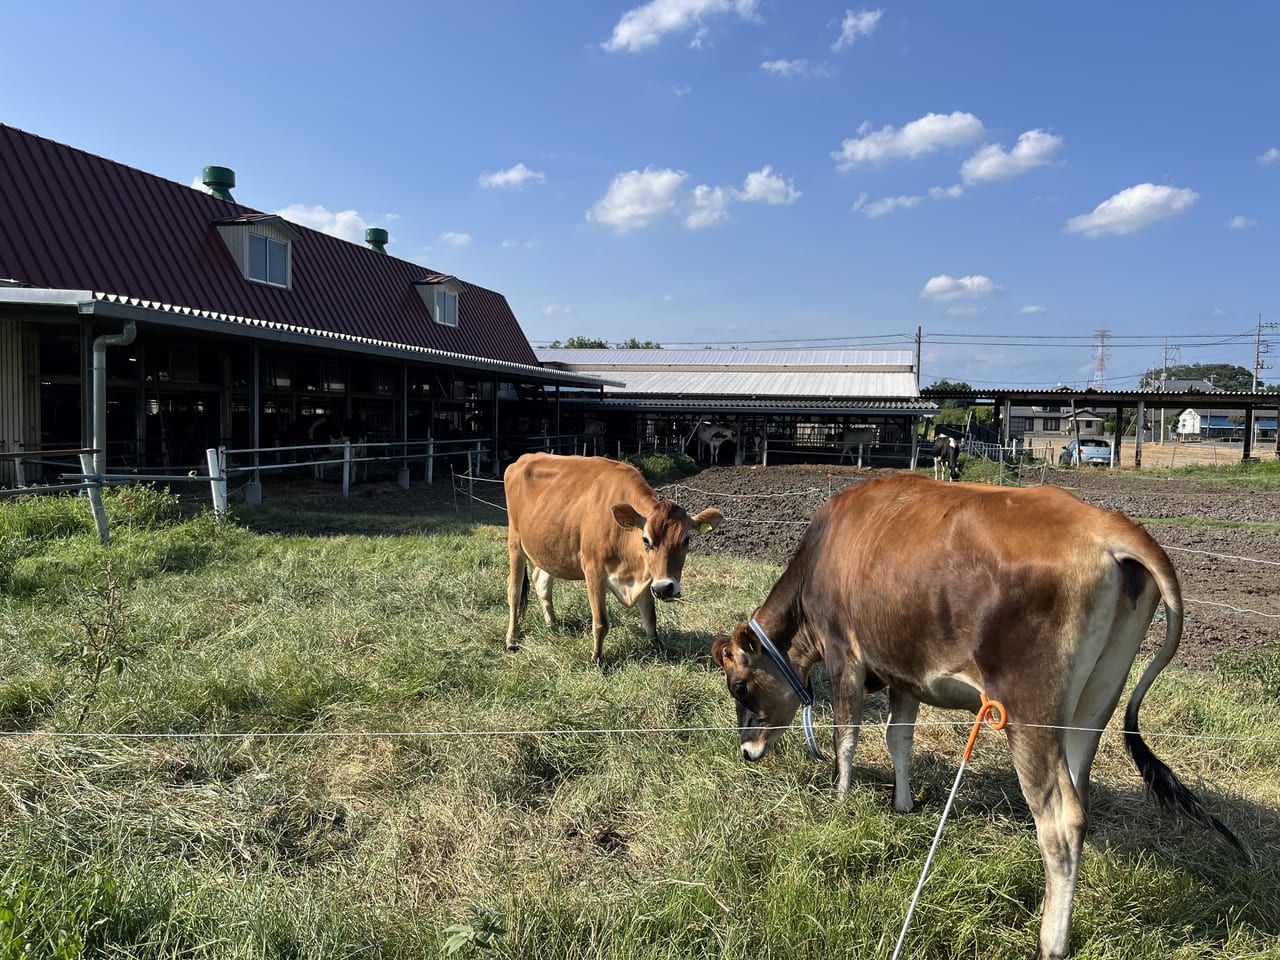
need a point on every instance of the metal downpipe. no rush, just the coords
(100, 345)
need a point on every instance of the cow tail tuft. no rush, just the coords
(1170, 792)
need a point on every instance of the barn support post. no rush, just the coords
(402, 475)
(1142, 421)
(253, 489)
(431, 458)
(1246, 452)
(93, 486)
(1119, 434)
(346, 469)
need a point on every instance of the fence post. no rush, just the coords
(431, 457)
(217, 457)
(346, 468)
(93, 486)
(19, 473)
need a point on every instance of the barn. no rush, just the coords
(786, 405)
(153, 321)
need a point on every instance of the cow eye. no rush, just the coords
(648, 544)
(739, 690)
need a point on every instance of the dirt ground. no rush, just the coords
(1232, 601)
(1229, 574)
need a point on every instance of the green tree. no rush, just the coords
(634, 344)
(1226, 376)
(955, 413)
(579, 343)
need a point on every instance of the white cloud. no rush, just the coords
(1133, 209)
(516, 177)
(953, 192)
(682, 89)
(455, 239)
(785, 68)
(552, 308)
(646, 25)
(1034, 149)
(345, 224)
(855, 25)
(765, 186)
(1270, 157)
(1031, 310)
(635, 198)
(971, 311)
(878, 208)
(526, 244)
(944, 288)
(931, 132)
(1241, 223)
(710, 207)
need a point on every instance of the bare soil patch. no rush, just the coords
(1226, 562)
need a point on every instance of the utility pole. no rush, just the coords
(1260, 347)
(1164, 375)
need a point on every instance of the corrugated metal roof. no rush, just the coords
(834, 406)
(75, 221)
(746, 374)
(829, 359)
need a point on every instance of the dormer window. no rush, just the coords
(440, 294)
(268, 260)
(262, 245)
(446, 311)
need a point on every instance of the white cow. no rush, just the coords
(711, 436)
(854, 438)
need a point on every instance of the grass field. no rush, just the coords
(221, 741)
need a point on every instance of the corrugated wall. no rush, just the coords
(19, 394)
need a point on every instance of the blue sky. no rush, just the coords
(1009, 177)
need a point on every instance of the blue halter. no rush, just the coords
(804, 693)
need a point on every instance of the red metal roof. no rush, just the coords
(74, 221)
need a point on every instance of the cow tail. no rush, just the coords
(524, 590)
(1170, 792)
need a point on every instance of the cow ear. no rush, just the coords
(745, 638)
(719, 649)
(627, 516)
(708, 519)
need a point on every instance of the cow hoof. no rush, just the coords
(513, 648)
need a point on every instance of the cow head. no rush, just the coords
(766, 702)
(666, 534)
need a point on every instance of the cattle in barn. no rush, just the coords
(1027, 596)
(946, 458)
(853, 439)
(711, 436)
(336, 433)
(592, 519)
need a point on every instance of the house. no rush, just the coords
(212, 324)
(801, 404)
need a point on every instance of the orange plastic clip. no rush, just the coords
(993, 714)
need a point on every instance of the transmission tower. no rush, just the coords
(1100, 365)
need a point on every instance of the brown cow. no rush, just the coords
(1028, 596)
(592, 519)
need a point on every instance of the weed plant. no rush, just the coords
(317, 747)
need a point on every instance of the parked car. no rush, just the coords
(1093, 450)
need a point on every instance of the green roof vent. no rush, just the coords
(219, 180)
(376, 238)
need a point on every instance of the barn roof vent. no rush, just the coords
(376, 238)
(219, 180)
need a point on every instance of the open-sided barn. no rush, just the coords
(212, 324)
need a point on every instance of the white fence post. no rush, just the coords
(93, 486)
(346, 468)
(217, 457)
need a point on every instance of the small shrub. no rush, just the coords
(663, 468)
(141, 506)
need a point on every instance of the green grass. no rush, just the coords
(315, 746)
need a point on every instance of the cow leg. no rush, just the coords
(1097, 703)
(847, 682)
(542, 584)
(517, 592)
(900, 735)
(1060, 828)
(596, 595)
(648, 614)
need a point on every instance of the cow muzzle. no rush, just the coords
(665, 589)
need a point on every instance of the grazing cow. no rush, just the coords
(851, 440)
(946, 454)
(337, 432)
(587, 518)
(1027, 596)
(711, 436)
